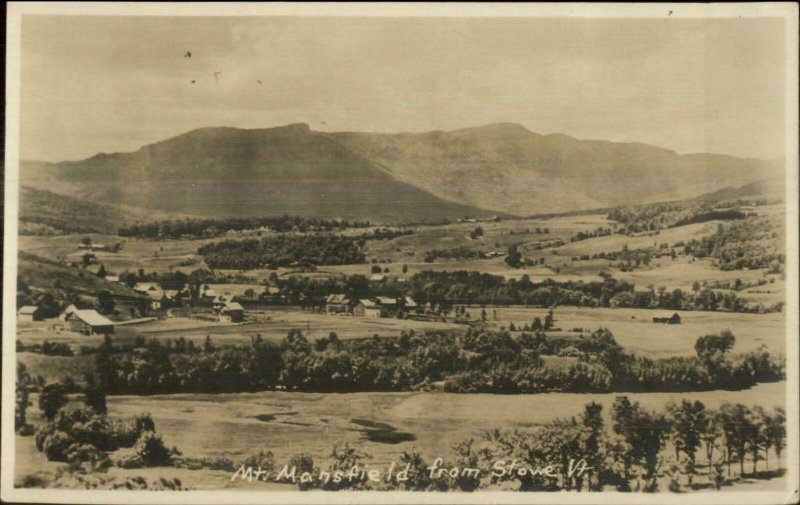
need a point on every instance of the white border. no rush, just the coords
(788, 11)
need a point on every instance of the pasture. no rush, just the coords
(635, 331)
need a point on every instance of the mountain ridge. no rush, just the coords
(500, 168)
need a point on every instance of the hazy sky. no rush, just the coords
(102, 84)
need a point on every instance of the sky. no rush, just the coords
(93, 84)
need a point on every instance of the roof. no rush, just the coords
(337, 299)
(209, 292)
(93, 318)
(112, 278)
(377, 277)
(385, 300)
(368, 304)
(273, 290)
(146, 286)
(233, 306)
(410, 302)
(28, 309)
(171, 293)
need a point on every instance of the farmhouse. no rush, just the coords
(410, 304)
(674, 319)
(337, 304)
(153, 291)
(29, 313)
(88, 322)
(377, 278)
(231, 311)
(222, 300)
(368, 308)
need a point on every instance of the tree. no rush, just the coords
(737, 427)
(105, 302)
(101, 272)
(483, 314)
(24, 381)
(689, 422)
(537, 324)
(548, 320)
(513, 257)
(86, 240)
(710, 346)
(477, 232)
(95, 399)
(375, 269)
(591, 438)
(405, 268)
(51, 399)
(776, 431)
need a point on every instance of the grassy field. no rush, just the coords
(635, 332)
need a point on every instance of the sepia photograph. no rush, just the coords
(401, 253)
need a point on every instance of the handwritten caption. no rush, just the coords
(400, 473)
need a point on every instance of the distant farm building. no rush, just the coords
(337, 304)
(232, 311)
(377, 278)
(368, 308)
(88, 322)
(384, 306)
(153, 291)
(112, 278)
(673, 319)
(29, 313)
(222, 300)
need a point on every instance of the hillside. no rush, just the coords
(44, 213)
(500, 168)
(52, 285)
(507, 168)
(228, 172)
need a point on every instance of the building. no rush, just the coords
(232, 311)
(112, 278)
(153, 291)
(377, 278)
(337, 304)
(88, 322)
(69, 310)
(409, 304)
(368, 308)
(220, 301)
(29, 313)
(389, 306)
(674, 319)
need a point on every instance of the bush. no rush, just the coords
(262, 459)
(152, 450)
(56, 446)
(127, 458)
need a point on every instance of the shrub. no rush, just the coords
(152, 450)
(128, 458)
(56, 446)
(260, 459)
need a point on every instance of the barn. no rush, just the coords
(29, 313)
(88, 322)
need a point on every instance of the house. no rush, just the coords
(337, 304)
(221, 300)
(88, 322)
(29, 313)
(208, 293)
(231, 311)
(674, 319)
(69, 310)
(377, 278)
(153, 291)
(112, 278)
(409, 304)
(368, 308)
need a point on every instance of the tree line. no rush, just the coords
(283, 251)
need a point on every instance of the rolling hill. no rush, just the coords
(495, 169)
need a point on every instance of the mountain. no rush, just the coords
(763, 187)
(230, 172)
(500, 168)
(507, 168)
